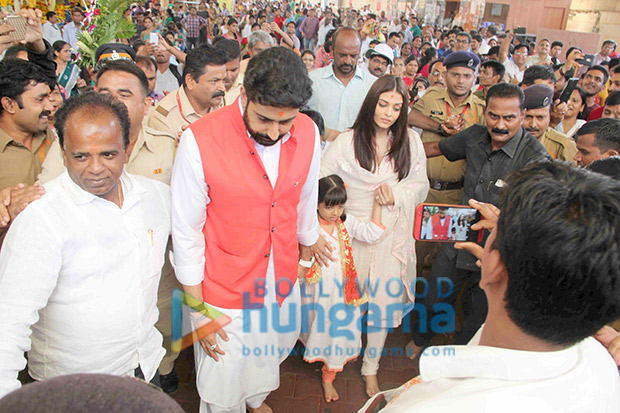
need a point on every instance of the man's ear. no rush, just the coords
(9, 105)
(495, 273)
(148, 102)
(243, 96)
(611, 152)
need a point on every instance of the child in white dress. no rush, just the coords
(331, 327)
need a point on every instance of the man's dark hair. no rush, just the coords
(146, 61)
(477, 38)
(498, 68)
(15, 77)
(613, 99)
(374, 42)
(557, 43)
(231, 47)
(127, 67)
(611, 42)
(607, 166)
(77, 10)
(137, 45)
(14, 50)
(570, 50)
(433, 63)
(92, 102)
(522, 46)
(493, 51)
(201, 56)
(558, 238)
(316, 118)
(601, 69)
(537, 72)
(464, 34)
(606, 131)
(393, 34)
(278, 77)
(506, 91)
(50, 14)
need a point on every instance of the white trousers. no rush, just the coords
(251, 402)
(376, 337)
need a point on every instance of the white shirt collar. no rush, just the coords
(131, 191)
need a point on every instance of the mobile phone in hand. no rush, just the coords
(568, 89)
(446, 223)
(19, 24)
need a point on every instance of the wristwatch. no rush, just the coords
(307, 264)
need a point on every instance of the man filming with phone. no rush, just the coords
(492, 152)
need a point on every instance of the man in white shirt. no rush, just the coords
(257, 159)
(71, 30)
(515, 67)
(80, 267)
(51, 31)
(549, 271)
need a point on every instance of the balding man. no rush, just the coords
(338, 90)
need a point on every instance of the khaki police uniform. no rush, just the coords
(152, 156)
(559, 146)
(170, 117)
(18, 164)
(443, 174)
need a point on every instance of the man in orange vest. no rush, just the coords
(441, 224)
(244, 200)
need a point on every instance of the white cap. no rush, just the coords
(382, 50)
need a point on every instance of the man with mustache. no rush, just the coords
(338, 90)
(379, 59)
(492, 152)
(25, 136)
(202, 91)
(244, 197)
(538, 104)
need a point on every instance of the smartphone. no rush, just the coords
(446, 223)
(586, 61)
(153, 38)
(19, 23)
(568, 89)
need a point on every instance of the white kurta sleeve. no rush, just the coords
(363, 231)
(307, 219)
(30, 264)
(412, 190)
(190, 196)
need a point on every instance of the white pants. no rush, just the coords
(374, 346)
(251, 402)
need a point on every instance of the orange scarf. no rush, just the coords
(349, 273)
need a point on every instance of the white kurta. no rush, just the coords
(251, 363)
(387, 266)
(332, 332)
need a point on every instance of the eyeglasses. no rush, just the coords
(462, 41)
(520, 54)
(436, 73)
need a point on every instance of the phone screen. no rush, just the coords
(446, 223)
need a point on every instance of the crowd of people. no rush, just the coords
(269, 159)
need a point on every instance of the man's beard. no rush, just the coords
(260, 138)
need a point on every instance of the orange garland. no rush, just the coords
(349, 273)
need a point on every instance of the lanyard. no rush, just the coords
(180, 107)
(448, 109)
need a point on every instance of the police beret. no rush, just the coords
(462, 59)
(538, 96)
(114, 51)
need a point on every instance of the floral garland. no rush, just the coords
(349, 273)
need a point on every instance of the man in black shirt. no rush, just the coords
(492, 152)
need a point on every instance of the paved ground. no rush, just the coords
(300, 388)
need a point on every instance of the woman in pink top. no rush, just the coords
(233, 30)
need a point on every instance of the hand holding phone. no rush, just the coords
(446, 223)
(568, 89)
(19, 24)
(154, 39)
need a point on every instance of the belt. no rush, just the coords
(445, 186)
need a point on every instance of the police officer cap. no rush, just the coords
(114, 51)
(538, 96)
(462, 59)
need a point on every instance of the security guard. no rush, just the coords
(202, 91)
(444, 112)
(538, 104)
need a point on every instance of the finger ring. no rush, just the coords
(213, 347)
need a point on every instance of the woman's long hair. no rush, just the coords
(364, 128)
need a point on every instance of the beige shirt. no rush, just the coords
(437, 105)
(19, 164)
(152, 157)
(170, 118)
(234, 91)
(559, 146)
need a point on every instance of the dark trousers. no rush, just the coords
(450, 291)
(192, 42)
